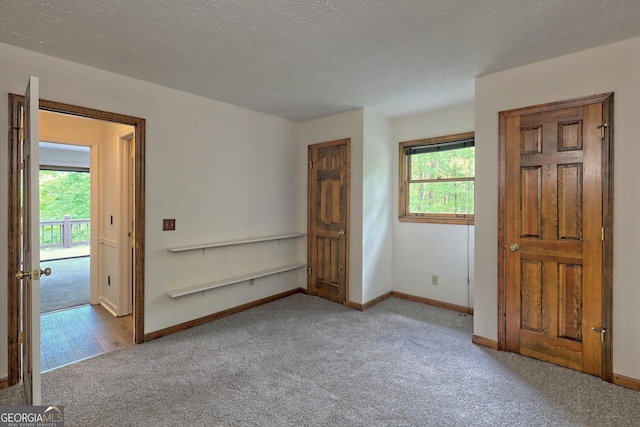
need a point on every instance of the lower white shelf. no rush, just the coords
(226, 282)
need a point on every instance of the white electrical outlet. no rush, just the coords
(434, 279)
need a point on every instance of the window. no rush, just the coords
(437, 179)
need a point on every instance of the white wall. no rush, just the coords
(377, 205)
(112, 199)
(616, 68)
(70, 130)
(349, 124)
(421, 250)
(221, 171)
(109, 229)
(371, 207)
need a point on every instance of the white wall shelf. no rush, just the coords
(226, 282)
(236, 242)
(176, 293)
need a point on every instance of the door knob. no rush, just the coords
(341, 233)
(22, 274)
(514, 247)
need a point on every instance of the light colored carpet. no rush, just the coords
(68, 285)
(304, 361)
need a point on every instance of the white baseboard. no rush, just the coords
(108, 305)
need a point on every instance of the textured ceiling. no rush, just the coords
(302, 59)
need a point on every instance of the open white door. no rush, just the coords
(30, 247)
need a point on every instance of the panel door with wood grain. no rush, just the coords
(553, 235)
(329, 220)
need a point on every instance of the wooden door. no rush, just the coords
(30, 274)
(15, 197)
(553, 220)
(328, 236)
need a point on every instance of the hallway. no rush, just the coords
(70, 328)
(68, 285)
(68, 336)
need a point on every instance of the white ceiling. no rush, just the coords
(302, 59)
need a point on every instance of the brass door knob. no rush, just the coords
(514, 247)
(22, 274)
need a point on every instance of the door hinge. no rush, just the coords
(309, 271)
(310, 164)
(603, 130)
(602, 234)
(20, 135)
(20, 337)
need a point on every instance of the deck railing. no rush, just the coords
(64, 234)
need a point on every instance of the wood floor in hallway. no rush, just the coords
(67, 336)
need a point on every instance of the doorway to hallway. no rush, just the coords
(71, 241)
(135, 246)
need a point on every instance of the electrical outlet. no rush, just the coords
(434, 279)
(168, 224)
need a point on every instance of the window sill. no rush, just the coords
(467, 220)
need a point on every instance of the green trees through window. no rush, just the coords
(437, 179)
(442, 182)
(64, 193)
